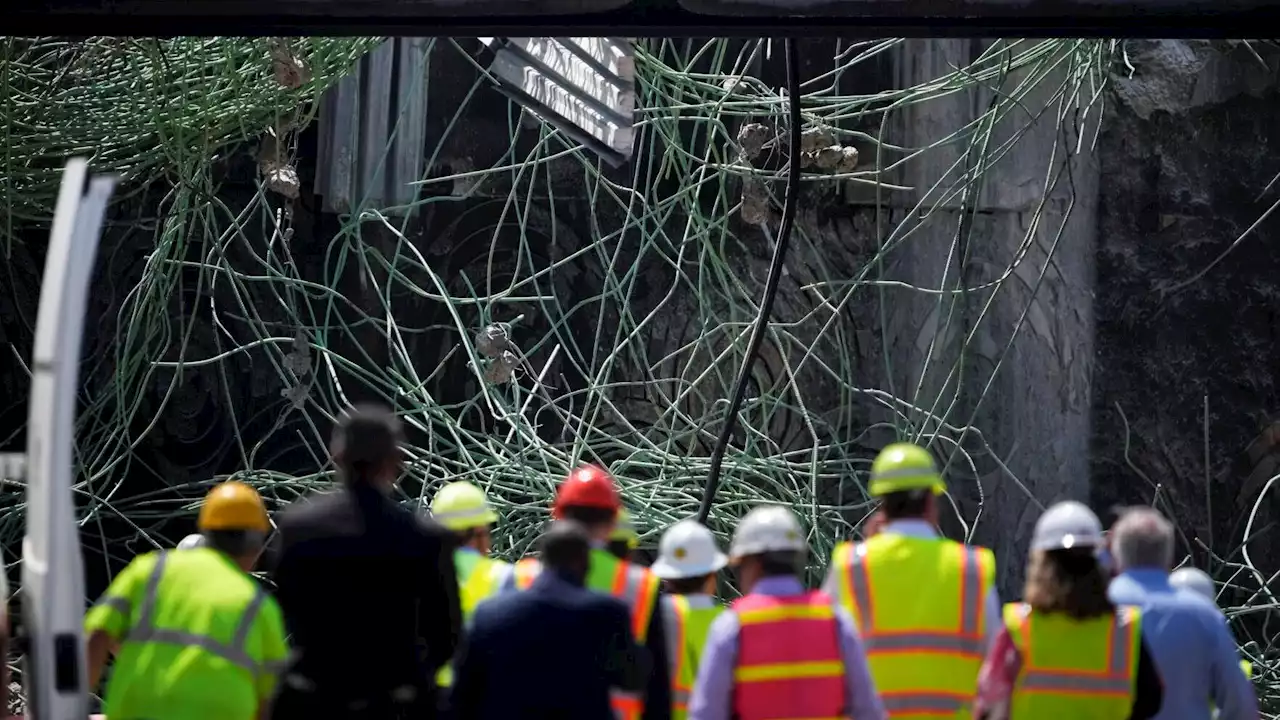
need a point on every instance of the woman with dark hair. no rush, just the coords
(1066, 652)
(368, 588)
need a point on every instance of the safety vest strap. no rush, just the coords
(941, 642)
(779, 613)
(788, 671)
(676, 613)
(966, 639)
(119, 604)
(236, 652)
(638, 588)
(626, 706)
(909, 703)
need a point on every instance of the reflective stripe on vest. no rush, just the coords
(685, 641)
(956, 651)
(789, 662)
(635, 586)
(235, 652)
(525, 571)
(639, 590)
(1074, 668)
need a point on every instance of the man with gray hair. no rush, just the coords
(1193, 649)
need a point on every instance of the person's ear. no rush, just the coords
(931, 510)
(873, 524)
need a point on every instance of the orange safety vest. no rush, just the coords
(919, 604)
(789, 661)
(633, 585)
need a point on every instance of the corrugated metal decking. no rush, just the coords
(584, 86)
(372, 131)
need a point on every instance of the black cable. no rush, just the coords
(789, 204)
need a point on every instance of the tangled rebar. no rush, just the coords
(525, 316)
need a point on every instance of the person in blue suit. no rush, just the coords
(552, 652)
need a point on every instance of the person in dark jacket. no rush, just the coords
(368, 588)
(552, 652)
(589, 496)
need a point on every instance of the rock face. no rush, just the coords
(1002, 355)
(1185, 386)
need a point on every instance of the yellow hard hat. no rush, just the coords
(461, 506)
(233, 506)
(904, 466)
(625, 530)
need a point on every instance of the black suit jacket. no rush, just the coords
(369, 593)
(549, 653)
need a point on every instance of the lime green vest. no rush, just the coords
(920, 607)
(687, 623)
(1074, 669)
(201, 639)
(478, 579)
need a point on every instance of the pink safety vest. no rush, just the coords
(789, 659)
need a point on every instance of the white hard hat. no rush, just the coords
(687, 550)
(770, 528)
(1067, 525)
(1195, 580)
(190, 542)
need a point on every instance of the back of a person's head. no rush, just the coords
(365, 442)
(1070, 582)
(1143, 538)
(566, 547)
(906, 504)
(591, 518)
(782, 563)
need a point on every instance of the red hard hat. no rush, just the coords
(588, 486)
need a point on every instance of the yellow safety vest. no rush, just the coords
(687, 621)
(919, 605)
(477, 584)
(634, 585)
(1074, 669)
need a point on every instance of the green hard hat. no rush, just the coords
(461, 506)
(904, 466)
